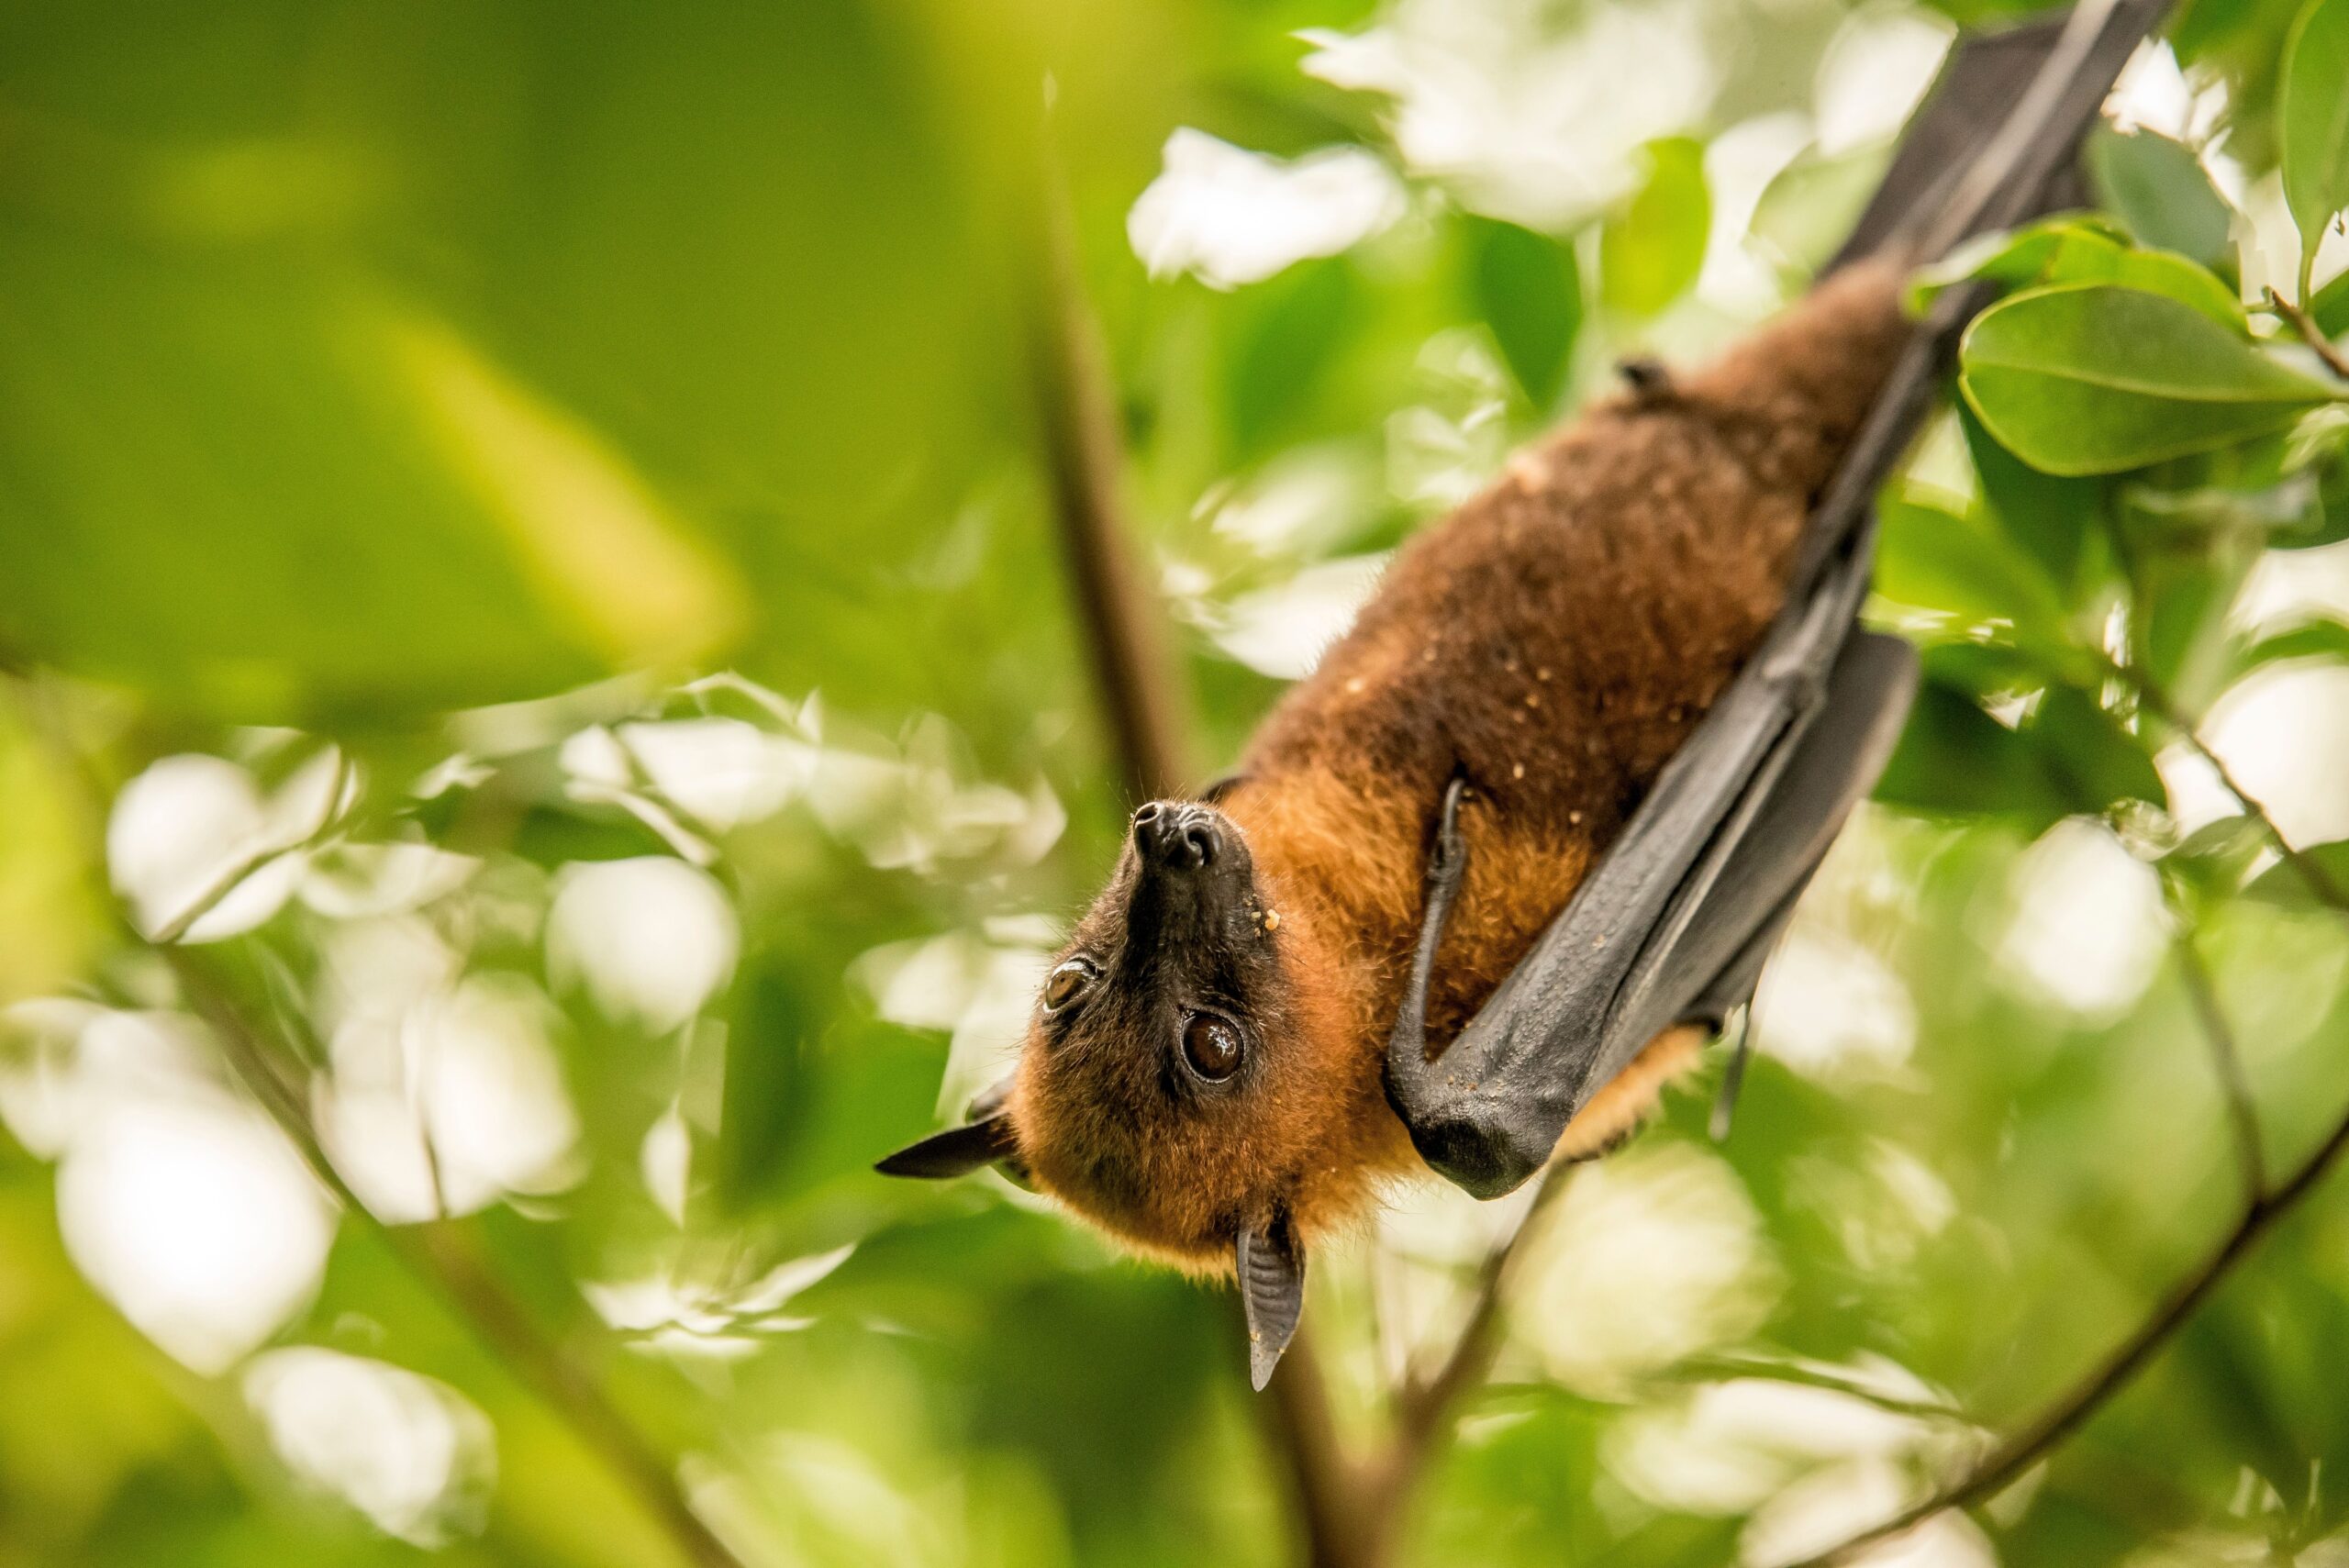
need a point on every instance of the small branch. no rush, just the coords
(1727, 1368)
(1422, 1406)
(2004, 1464)
(2226, 1059)
(1139, 689)
(232, 876)
(1123, 634)
(2318, 882)
(440, 1256)
(2000, 1468)
(2300, 321)
(1326, 1485)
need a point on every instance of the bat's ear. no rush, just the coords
(957, 1152)
(1271, 1267)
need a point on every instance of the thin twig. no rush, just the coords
(1140, 688)
(1083, 450)
(2263, 1207)
(2300, 321)
(1731, 1368)
(2226, 1061)
(442, 1257)
(2000, 1468)
(1326, 1485)
(1422, 1406)
(2151, 695)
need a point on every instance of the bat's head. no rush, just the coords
(1191, 1082)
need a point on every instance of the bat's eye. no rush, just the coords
(1211, 1047)
(1068, 984)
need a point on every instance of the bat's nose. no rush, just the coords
(1172, 835)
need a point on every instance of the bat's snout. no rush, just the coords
(1172, 835)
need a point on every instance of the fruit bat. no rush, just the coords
(1488, 878)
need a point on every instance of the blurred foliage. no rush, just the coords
(405, 408)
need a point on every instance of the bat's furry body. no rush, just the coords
(1221, 1066)
(1552, 642)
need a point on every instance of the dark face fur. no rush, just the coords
(1162, 1044)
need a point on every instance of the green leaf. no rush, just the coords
(1962, 566)
(2313, 118)
(2093, 379)
(2048, 517)
(2160, 190)
(1955, 760)
(2091, 754)
(2329, 308)
(1809, 208)
(2068, 756)
(1652, 250)
(2316, 639)
(1528, 289)
(251, 490)
(2282, 882)
(1292, 332)
(2086, 250)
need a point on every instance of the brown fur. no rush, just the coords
(1555, 641)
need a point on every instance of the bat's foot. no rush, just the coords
(1646, 377)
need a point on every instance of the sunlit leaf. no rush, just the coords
(2086, 250)
(1652, 250)
(1292, 328)
(2313, 116)
(2330, 307)
(256, 491)
(1809, 207)
(1528, 288)
(2161, 191)
(2093, 379)
(1961, 566)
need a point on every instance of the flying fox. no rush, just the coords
(1488, 879)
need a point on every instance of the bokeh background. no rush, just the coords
(539, 647)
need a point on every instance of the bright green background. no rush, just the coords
(365, 361)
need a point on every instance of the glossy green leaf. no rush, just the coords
(2064, 755)
(2316, 639)
(1809, 207)
(1652, 250)
(2313, 115)
(2093, 379)
(2050, 519)
(2160, 190)
(249, 487)
(2330, 307)
(1528, 288)
(2078, 251)
(1959, 565)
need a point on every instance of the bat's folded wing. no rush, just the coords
(1674, 922)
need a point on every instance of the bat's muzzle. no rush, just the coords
(1172, 835)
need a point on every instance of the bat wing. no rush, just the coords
(1677, 919)
(1674, 921)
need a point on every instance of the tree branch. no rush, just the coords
(442, 1257)
(2263, 1207)
(2151, 696)
(2005, 1464)
(1138, 686)
(1422, 1406)
(2226, 1059)
(2300, 321)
